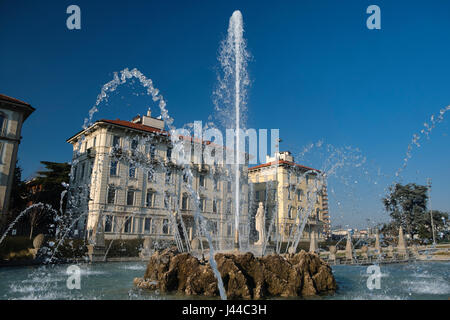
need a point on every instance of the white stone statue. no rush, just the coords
(260, 224)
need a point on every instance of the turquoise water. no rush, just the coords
(421, 280)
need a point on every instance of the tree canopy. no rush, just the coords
(407, 206)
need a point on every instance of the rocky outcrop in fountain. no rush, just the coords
(244, 275)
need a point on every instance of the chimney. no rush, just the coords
(137, 119)
(152, 122)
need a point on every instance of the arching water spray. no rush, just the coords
(121, 79)
(426, 131)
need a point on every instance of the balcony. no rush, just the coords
(90, 153)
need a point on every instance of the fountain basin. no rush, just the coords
(244, 276)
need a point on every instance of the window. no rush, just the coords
(289, 193)
(167, 199)
(257, 195)
(134, 144)
(168, 176)
(130, 197)
(184, 202)
(213, 227)
(111, 194)
(147, 225)
(132, 172)
(152, 150)
(202, 181)
(169, 153)
(94, 144)
(151, 176)
(229, 206)
(229, 186)
(116, 141)
(229, 229)
(127, 225)
(108, 223)
(299, 195)
(307, 179)
(2, 145)
(113, 168)
(3, 122)
(74, 172)
(214, 206)
(150, 200)
(290, 212)
(165, 228)
(82, 170)
(185, 178)
(203, 204)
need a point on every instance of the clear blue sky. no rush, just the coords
(317, 73)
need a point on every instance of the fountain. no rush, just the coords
(231, 100)
(202, 257)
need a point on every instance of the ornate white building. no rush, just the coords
(125, 182)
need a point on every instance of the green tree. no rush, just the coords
(18, 197)
(50, 183)
(440, 221)
(47, 188)
(407, 205)
(17, 201)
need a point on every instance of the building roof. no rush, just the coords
(289, 163)
(124, 124)
(14, 100)
(133, 125)
(26, 107)
(140, 127)
(145, 128)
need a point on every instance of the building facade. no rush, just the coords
(288, 191)
(132, 187)
(13, 113)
